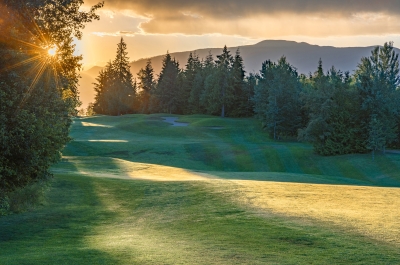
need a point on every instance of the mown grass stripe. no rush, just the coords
(329, 168)
(272, 159)
(347, 169)
(255, 154)
(305, 159)
(228, 156)
(388, 166)
(372, 171)
(287, 159)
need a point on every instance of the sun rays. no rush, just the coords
(32, 53)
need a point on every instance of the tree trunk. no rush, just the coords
(223, 111)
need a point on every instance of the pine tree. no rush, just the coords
(146, 86)
(115, 89)
(167, 92)
(219, 89)
(377, 82)
(124, 88)
(240, 100)
(277, 98)
(332, 104)
(190, 89)
(103, 90)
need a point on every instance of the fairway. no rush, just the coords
(134, 189)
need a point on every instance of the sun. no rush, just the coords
(52, 51)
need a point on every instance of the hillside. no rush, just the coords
(303, 56)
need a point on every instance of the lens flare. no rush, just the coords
(52, 51)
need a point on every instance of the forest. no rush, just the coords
(339, 113)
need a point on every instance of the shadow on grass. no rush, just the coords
(55, 233)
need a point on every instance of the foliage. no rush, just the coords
(377, 84)
(37, 91)
(167, 92)
(115, 89)
(332, 104)
(219, 91)
(146, 87)
(277, 98)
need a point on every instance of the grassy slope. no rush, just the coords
(117, 221)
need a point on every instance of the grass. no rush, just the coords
(112, 221)
(135, 190)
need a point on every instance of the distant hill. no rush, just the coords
(302, 55)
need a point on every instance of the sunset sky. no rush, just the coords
(152, 27)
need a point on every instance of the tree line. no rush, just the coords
(338, 112)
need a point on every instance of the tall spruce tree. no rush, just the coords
(167, 92)
(332, 104)
(115, 89)
(277, 98)
(240, 100)
(218, 86)
(189, 95)
(377, 84)
(103, 90)
(146, 86)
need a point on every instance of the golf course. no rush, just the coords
(199, 189)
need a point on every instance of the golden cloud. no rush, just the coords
(265, 18)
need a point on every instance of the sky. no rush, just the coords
(153, 27)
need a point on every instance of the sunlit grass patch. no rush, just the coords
(111, 221)
(371, 211)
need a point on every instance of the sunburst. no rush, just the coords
(52, 51)
(42, 58)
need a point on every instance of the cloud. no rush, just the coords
(115, 34)
(264, 18)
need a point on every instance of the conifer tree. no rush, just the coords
(116, 89)
(240, 99)
(332, 104)
(277, 98)
(377, 84)
(167, 92)
(188, 99)
(219, 89)
(146, 86)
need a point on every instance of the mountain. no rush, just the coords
(302, 55)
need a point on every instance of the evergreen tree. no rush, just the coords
(116, 89)
(203, 90)
(219, 89)
(277, 98)
(103, 89)
(167, 92)
(332, 104)
(240, 102)
(187, 97)
(146, 86)
(377, 84)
